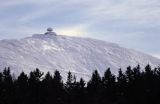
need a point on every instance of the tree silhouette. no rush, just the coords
(109, 86)
(22, 88)
(121, 87)
(8, 87)
(47, 89)
(134, 86)
(35, 86)
(70, 81)
(94, 88)
(58, 87)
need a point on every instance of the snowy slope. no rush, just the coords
(79, 55)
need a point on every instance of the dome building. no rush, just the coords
(50, 32)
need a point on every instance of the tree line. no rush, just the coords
(134, 86)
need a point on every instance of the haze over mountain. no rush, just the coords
(50, 52)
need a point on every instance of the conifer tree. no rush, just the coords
(70, 81)
(58, 88)
(122, 86)
(94, 87)
(82, 83)
(22, 89)
(35, 86)
(46, 89)
(8, 87)
(57, 78)
(109, 86)
(22, 81)
(129, 74)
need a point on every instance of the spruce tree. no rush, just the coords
(22, 89)
(70, 81)
(58, 88)
(121, 87)
(94, 88)
(35, 86)
(8, 87)
(109, 86)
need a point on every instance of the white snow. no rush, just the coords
(78, 55)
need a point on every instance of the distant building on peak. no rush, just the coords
(50, 32)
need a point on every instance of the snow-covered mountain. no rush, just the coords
(50, 52)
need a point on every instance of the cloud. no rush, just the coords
(137, 12)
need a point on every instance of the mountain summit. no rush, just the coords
(50, 52)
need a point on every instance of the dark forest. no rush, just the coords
(134, 86)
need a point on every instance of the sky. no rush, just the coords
(130, 23)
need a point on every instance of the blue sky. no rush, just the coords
(130, 23)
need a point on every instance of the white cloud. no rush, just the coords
(133, 11)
